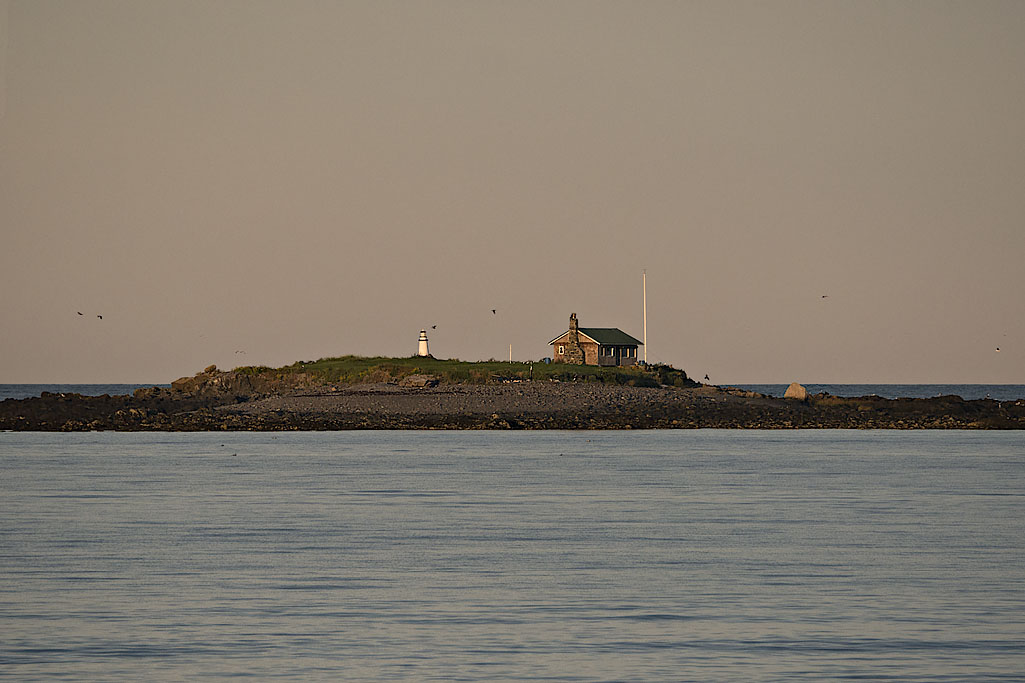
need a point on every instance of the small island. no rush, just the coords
(422, 392)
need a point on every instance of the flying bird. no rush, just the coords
(100, 317)
(79, 312)
(998, 349)
(493, 311)
(434, 327)
(706, 376)
(825, 296)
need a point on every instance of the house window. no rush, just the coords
(562, 349)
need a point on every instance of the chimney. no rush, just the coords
(574, 352)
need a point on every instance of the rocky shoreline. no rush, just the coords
(214, 401)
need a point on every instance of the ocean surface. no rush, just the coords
(999, 392)
(31, 390)
(692, 555)
(969, 392)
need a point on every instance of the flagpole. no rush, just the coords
(644, 287)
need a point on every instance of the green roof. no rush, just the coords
(606, 336)
(612, 336)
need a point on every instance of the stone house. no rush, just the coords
(594, 345)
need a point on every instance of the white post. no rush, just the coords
(510, 353)
(644, 287)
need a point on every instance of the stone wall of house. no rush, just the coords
(559, 356)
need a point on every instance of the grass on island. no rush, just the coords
(360, 369)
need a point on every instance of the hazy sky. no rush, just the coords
(305, 179)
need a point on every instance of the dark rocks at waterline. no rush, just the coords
(223, 401)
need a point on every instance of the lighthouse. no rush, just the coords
(421, 350)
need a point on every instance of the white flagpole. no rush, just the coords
(644, 287)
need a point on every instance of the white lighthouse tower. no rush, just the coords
(422, 350)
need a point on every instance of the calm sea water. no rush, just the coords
(578, 556)
(31, 390)
(1000, 392)
(969, 392)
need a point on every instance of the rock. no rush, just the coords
(796, 392)
(418, 381)
(146, 393)
(183, 384)
(210, 368)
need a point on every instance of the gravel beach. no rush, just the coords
(512, 405)
(523, 398)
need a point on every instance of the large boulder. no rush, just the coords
(796, 392)
(213, 382)
(418, 381)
